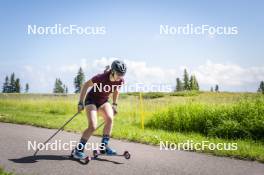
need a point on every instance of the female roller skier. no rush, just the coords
(95, 101)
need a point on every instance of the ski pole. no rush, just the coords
(57, 132)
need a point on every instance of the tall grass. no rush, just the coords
(244, 119)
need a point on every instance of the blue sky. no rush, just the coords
(133, 34)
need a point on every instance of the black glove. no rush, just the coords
(80, 106)
(114, 107)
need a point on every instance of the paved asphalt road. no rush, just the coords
(145, 159)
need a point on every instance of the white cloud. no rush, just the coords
(28, 68)
(84, 64)
(228, 74)
(69, 68)
(139, 71)
(100, 64)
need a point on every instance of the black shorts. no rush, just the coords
(89, 101)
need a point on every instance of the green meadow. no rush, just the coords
(173, 117)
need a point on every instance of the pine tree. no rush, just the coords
(58, 87)
(17, 86)
(186, 85)
(261, 87)
(193, 83)
(212, 89)
(79, 80)
(65, 89)
(12, 83)
(179, 86)
(196, 84)
(5, 85)
(27, 88)
(216, 88)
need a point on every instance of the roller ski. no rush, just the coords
(80, 156)
(97, 153)
(107, 151)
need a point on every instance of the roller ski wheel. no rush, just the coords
(96, 153)
(127, 155)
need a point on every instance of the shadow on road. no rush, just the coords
(34, 159)
(106, 160)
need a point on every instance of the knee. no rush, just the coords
(92, 127)
(109, 120)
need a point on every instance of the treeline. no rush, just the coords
(216, 89)
(261, 87)
(188, 83)
(12, 85)
(59, 87)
